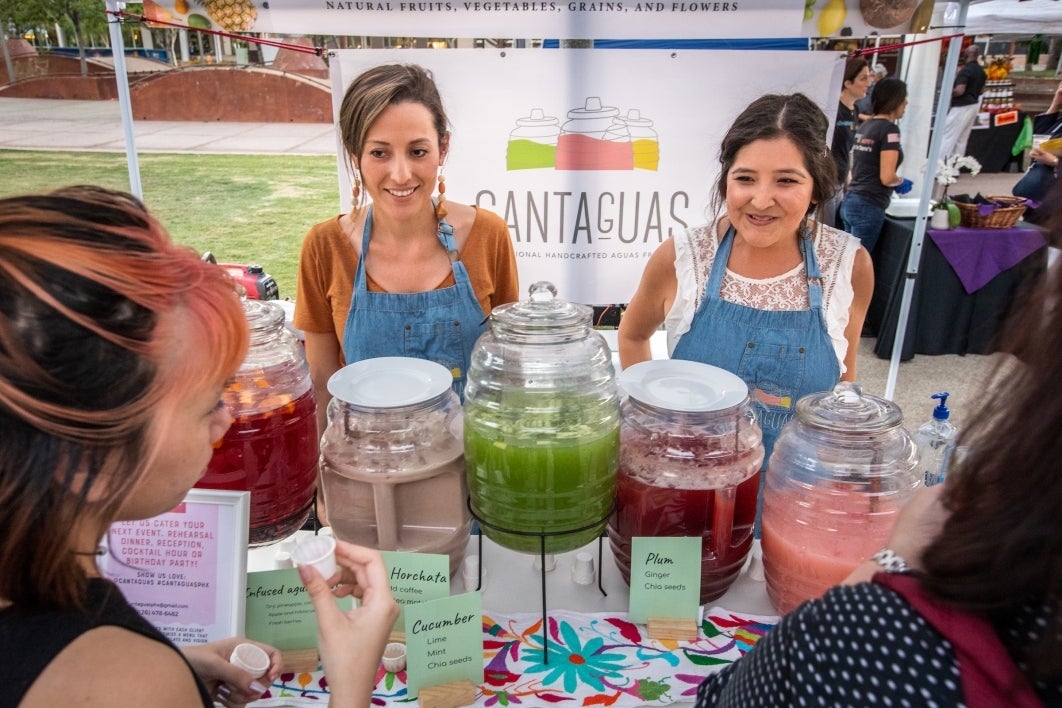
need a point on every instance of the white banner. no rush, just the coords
(593, 157)
(555, 19)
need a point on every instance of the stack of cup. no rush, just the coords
(470, 572)
(583, 569)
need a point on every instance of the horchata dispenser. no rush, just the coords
(271, 449)
(840, 472)
(690, 457)
(392, 465)
(541, 425)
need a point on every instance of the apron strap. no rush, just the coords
(811, 269)
(722, 257)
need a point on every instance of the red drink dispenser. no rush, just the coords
(272, 448)
(690, 456)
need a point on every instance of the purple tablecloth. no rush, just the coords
(978, 255)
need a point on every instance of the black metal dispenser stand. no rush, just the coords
(542, 536)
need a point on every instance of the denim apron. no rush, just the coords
(438, 325)
(780, 355)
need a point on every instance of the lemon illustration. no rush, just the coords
(831, 18)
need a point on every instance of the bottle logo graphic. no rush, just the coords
(533, 143)
(595, 137)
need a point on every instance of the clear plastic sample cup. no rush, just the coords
(319, 552)
(251, 658)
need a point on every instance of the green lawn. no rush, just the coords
(245, 208)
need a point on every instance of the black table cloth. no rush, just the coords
(992, 146)
(944, 318)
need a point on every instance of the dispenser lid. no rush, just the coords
(390, 382)
(684, 386)
(541, 312)
(846, 409)
(263, 314)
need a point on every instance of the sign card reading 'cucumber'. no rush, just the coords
(279, 611)
(444, 642)
(416, 577)
(665, 577)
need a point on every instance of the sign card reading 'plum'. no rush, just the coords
(444, 642)
(416, 577)
(665, 577)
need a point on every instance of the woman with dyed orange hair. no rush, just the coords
(115, 345)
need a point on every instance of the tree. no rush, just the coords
(82, 16)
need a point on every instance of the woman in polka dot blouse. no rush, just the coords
(975, 618)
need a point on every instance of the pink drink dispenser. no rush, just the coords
(840, 472)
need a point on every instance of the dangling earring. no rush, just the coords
(356, 189)
(804, 231)
(440, 204)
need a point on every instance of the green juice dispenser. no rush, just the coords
(541, 426)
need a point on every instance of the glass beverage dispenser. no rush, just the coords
(541, 426)
(690, 456)
(271, 450)
(840, 472)
(392, 469)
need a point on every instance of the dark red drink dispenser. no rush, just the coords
(272, 448)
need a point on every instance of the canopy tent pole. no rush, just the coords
(124, 103)
(914, 256)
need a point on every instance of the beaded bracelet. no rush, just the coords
(890, 561)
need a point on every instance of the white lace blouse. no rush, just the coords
(695, 251)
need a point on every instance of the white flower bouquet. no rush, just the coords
(948, 170)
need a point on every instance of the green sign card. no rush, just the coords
(444, 642)
(279, 611)
(665, 577)
(416, 577)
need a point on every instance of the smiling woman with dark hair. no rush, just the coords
(964, 606)
(766, 291)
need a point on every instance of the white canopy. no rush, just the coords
(1015, 17)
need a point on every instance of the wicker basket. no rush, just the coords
(1002, 218)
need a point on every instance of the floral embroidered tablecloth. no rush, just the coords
(593, 659)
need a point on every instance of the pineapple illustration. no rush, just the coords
(231, 15)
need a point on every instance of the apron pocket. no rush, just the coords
(773, 372)
(436, 341)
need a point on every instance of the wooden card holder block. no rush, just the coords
(684, 630)
(397, 635)
(448, 695)
(301, 660)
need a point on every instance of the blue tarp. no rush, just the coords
(784, 43)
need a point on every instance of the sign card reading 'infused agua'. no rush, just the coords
(665, 577)
(279, 611)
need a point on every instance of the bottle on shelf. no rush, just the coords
(936, 441)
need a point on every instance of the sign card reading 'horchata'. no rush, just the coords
(416, 577)
(665, 577)
(444, 642)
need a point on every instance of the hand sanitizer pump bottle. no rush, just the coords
(936, 441)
